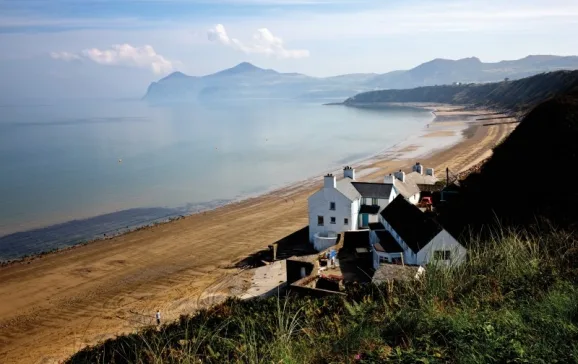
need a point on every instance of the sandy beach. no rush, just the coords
(54, 305)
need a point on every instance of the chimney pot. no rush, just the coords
(349, 172)
(400, 176)
(329, 181)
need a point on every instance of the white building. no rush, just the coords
(345, 205)
(408, 185)
(404, 230)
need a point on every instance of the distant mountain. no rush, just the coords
(249, 81)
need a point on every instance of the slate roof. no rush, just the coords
(346, 188)
(414, 227)
(388, 243)
(373, 190)
(369, 209)
(376, 226)
(356, 239)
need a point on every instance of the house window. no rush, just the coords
(319, 220)
(332, 206)
(333, 221)
(442, 255)
(374, 201)
(364, 201)
(346, 221)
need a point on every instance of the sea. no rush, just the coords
(73, 171)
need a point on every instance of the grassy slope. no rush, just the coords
(512, 95)
(516, 300)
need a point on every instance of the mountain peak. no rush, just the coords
(175, 75)
(246, 66)
(240, 69)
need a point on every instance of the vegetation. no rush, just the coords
(509, 95)
(530, 174)
(516, 300)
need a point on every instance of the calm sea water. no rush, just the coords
(130, 163)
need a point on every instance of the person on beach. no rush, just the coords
(158, 316)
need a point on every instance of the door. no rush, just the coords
(364, 220)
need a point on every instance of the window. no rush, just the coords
(374, 201)
(319, 220)
(346, 221)
(332, 206)
(333, 221)
(442, 255)
(364, 201)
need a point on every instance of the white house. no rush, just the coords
(408, 185)
(345, 205)
(420, 238)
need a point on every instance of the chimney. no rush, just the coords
(349, 172)
(329, 181)
(400, 175)
(418, 168)
(388, 179)
(430, 172)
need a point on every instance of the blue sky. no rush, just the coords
(117, 47)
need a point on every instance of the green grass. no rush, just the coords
(514, 301)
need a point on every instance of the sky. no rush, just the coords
(115, 48)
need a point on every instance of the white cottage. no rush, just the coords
(410, 233)
(345, 205)
(408, 185)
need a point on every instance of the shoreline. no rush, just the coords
(77, 297)
(399, 150)
(189, 209)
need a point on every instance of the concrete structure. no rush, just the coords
(345, 205)
(420, 238)
(324, 240)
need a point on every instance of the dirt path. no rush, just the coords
(52, 306)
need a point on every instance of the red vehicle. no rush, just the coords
(426, 202)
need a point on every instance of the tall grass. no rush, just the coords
(514, 300)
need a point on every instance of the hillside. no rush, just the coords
(511, 95)
(249, 81)
(530, 175)
(496, 308)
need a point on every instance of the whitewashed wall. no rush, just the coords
(443, 241)
(319, 204)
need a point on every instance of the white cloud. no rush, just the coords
(263, 42)
(121, 55)
(65, 56)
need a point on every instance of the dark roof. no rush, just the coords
(413, 226)
(376, 226)
(373, 190)
(356, 239)
(369, 209)
(388, 243)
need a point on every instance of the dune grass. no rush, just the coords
(515, 300)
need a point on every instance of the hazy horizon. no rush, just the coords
(114, 49)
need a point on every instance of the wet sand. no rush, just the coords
(54, 305)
